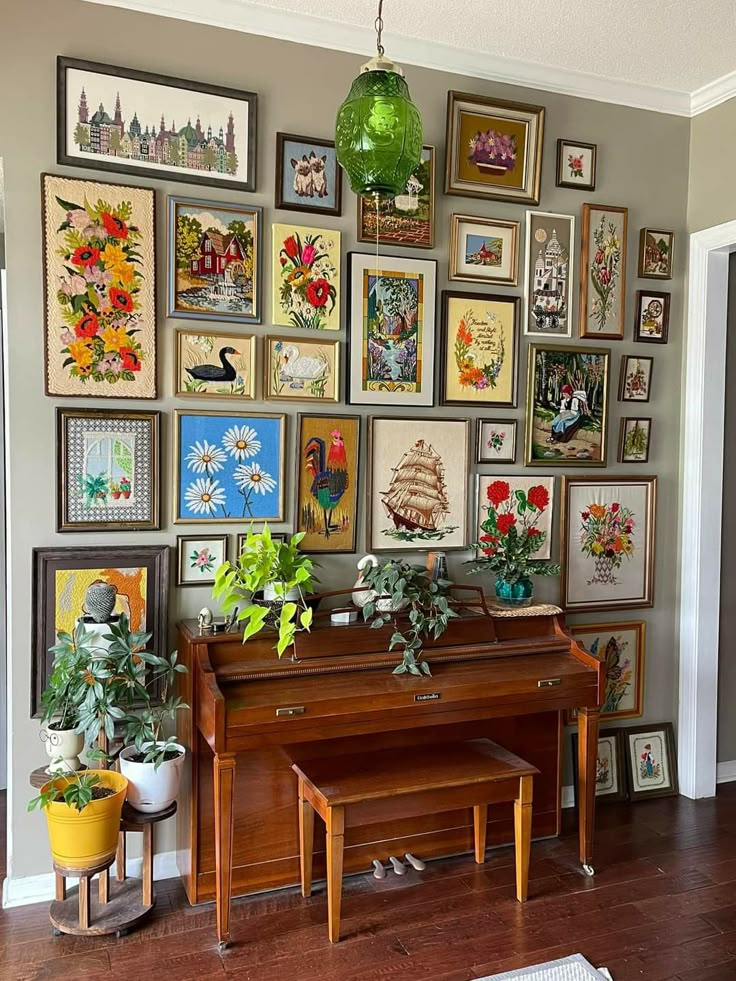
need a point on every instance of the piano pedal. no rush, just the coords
(379, 871)
(398, 865)
(416, 863)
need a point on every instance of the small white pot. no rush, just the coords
(63, 747)
(269, 594)
(151, 790)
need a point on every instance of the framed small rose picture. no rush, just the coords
(199, 557)
(484, 250)
(634, 440)
(652, 322)
(576, 164)
(651, 761)
(656, 248)
(636, 378)
(496, 441)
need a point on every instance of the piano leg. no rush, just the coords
(588, 719)
(224, 780)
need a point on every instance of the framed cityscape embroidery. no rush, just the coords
(550, 274)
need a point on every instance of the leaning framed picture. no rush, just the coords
(494, 148)
(327, 479)
(608, 536)
(61, 577)
(308, 177)
(301, 368)
(550, 274)
(99, 260)
(603, 272)
(107, 470)
(103, 116)
(305, 270)
(417, 483)
(391, 330)
(656, 253)
(198, 557)
(479, 349)
(228, 466)
(652, 761)
(215, 365)
(214, 261)
(610, 766)
(622, 647)
(652, 318)
(567, 406)
(634, 440)
(635, 379)
(504, 492)
(495, 441)
(407, 219)
(576, 164)
(484, 250)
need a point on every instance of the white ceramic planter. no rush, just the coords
(151, 790)
(269, 593)
(63, 747)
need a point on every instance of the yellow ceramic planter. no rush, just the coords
(83, 839)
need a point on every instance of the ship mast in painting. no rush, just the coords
(417, 495)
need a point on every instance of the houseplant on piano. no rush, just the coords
(511, 539)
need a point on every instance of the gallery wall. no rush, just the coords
(642, 165)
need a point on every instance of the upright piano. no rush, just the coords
(506, 674)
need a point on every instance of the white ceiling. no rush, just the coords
(673, 55)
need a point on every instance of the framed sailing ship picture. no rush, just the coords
(417, 483)
(550, 274)
(391, 330)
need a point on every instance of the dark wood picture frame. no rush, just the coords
(181, 542)
(408, 242)
(625, 358)
(622, 767)
(153, 78)
(479, 423)
(665, 300)
(560, 180)
(63, 415)
(46, 562)
(276, 536)
(669, 734)
(586, 218)
(622, 438)
(641, 268)
(279, 201)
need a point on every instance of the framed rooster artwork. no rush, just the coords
(328, 448)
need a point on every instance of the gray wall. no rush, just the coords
(712, 195)
(642, 164)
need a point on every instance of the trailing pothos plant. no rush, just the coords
(420, 609)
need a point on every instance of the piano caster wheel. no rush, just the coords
(223, 945)
(121, 933)
(589, 871)
(56, 933)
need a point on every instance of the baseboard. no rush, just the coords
(726, 772)
(568, 796)
(23, 890)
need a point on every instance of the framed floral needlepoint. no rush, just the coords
(100, 289)
(603, 272)
(306, 277)
(199, 557)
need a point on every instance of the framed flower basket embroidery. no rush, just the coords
(496, 441)
(603, 272)
(305, 267)
(608, 535)
(652, 761)
(576, 164)
(652, 319)
(611, 783)
(550, 274)
(215, 365)
(407, 219)
(622, 647)
(99, 289)
(301, 369)
(198, 558)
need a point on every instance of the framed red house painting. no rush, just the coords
(214, 261)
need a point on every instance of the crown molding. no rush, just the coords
(713, 94)
(240, 15)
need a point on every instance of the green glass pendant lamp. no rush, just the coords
(378, 132)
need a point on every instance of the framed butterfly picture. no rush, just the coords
(622, 645)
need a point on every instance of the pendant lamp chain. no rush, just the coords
(379, 30)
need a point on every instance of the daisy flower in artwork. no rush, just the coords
(241, 442)
(251, 477)
(205, 457)
(204, 496)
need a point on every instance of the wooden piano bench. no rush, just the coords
(359, 789)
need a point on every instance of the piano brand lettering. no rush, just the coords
(430, 696)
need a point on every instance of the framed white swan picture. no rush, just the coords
(303, 369)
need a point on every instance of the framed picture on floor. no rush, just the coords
(215, 364)
(198, 558)
(407, 219)
(610, 768)
(633, 446)
(550, 274)
(652, 761)
(622, 647)
(576, 164)
(496, 441)
(635, 380)
(107, 470)
(603, 272)
(104, 117)
(305, 270)
(301, 368)
(652, 318)
(484, 250)
(656, 253)
(308, 177)
(503, 492)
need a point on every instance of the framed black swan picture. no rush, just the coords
(213, 364)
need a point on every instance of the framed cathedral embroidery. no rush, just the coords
(550, 274)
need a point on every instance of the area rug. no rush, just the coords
(574, 968)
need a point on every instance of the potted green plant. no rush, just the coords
(115, 490)
(510, 540)
(269, 585)
(419, 609)
(59, 702)
(125, 487)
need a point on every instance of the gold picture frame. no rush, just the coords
(286, 375)
(486, 254)
(608, 308)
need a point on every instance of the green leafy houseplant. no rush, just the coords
(420, 609)
(266, 567)
(79, 790)
(66, 687)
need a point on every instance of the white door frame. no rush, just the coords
(702, 489)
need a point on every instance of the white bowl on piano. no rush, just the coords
(151, 790)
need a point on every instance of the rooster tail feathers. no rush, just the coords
(314, 454)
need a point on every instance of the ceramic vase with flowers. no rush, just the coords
(607, 536)
(510, 540)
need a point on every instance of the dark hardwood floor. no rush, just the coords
(662, 907)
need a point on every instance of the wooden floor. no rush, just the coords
(662, 907)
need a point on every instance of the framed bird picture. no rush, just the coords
(303, 369)
(328, 448)
(210, 364)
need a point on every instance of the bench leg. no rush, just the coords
(523, 836)
(480, 829)
(335, 846)
(306, 841)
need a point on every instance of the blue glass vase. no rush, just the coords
(514, 593)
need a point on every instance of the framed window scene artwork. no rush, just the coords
(305, 264)
(652, 761)
(108, 470)
(567, 406)
(61, 578)
(656, 253)
(241, 537)
(391, 330)
(484, 250)
(504, 494)
(308, 177)
(328, 454)
(576, 164)
(228, 466)
(212, 364)
(99, 289)
(607, 552)
(635, 380)
(603, 272)
(407, 219)
(622, 646)
(298, 368)
(634, 440)
(479, 349)
(214, 261)
(494, 148)
(124, 120)
(550, 274)
(417, 483)
(198, 558)
(611, 782)
(496, 440)
(652, 318)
